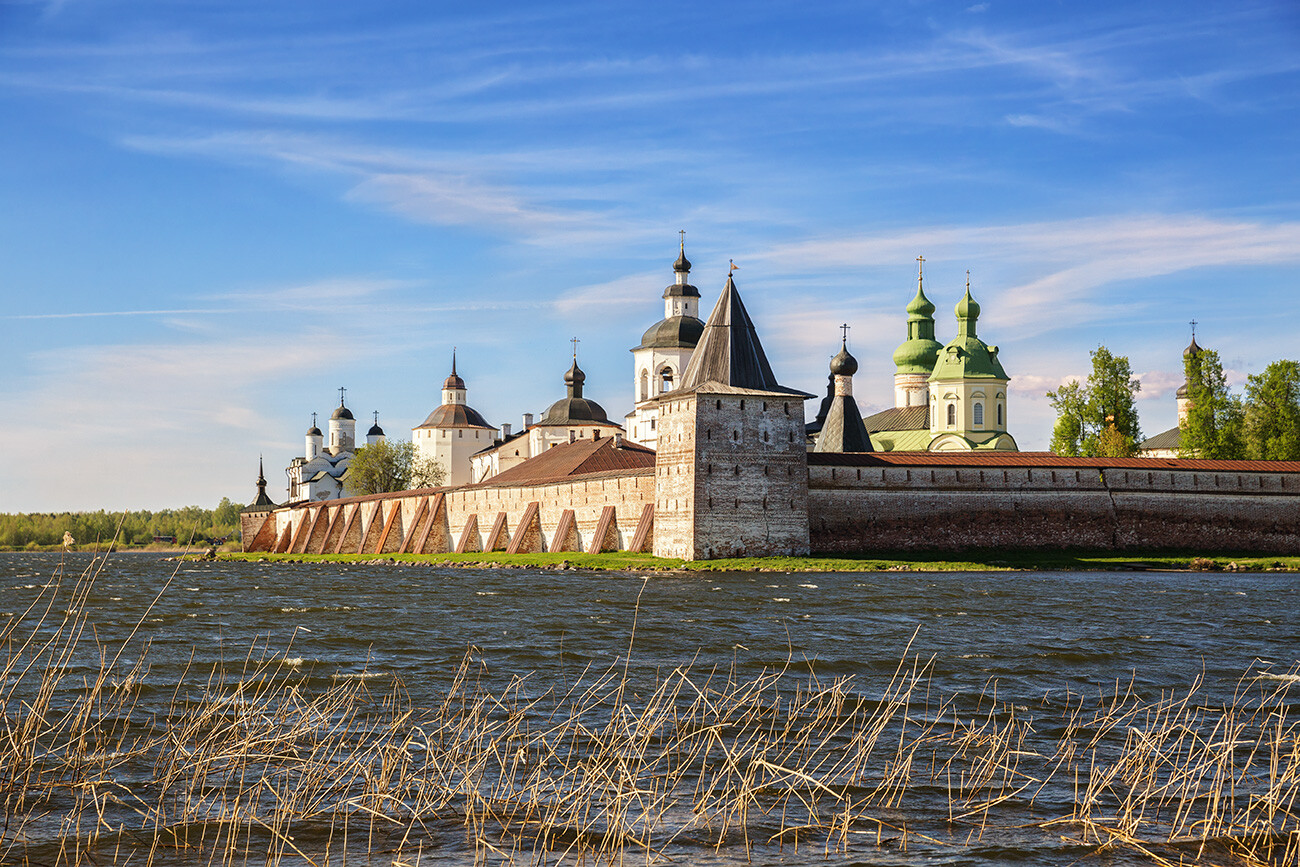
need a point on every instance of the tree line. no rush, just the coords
(1098, 417)
(132, 529)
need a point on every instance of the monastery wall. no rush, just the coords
(605, 513)
(860, 509)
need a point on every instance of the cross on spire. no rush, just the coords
(575, 341)
(341, 392)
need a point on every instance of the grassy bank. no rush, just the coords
(973, 561)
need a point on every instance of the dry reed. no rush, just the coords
(247, 764)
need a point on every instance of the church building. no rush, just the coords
(454, 431)
(319, 473)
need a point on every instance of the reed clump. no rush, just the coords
(252, 761)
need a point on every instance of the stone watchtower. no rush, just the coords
(731, 472)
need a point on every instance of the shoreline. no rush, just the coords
(975, 561)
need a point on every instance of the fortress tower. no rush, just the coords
(731, 472)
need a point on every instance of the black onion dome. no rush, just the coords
(375, 430)
(675, 332)
(682, 264)
(1182, 391)
(574, 410)
(314, 431)
(844, 364)
(1193, 349)
(342, 413)
(575, 377)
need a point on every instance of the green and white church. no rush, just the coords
(949, 397)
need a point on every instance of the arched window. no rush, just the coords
(952, 415)
(666, 379)
(645, 385)
(977, 410)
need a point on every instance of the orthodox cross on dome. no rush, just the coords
(920, 269)
(844, 333)
(1193, 324)
(376, 414)
(313, 419)
(575, 341)
(341, 392)
(682, 232)
(968, 280)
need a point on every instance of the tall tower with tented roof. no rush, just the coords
(731, 468)
(664, 351)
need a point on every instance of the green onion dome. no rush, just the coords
(919, 352)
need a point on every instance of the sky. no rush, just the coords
(215, 214)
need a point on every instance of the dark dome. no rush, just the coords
(1182, 391)
(375, 431)
(342, 412)
(844, 364)
(1193, 349)
(682, 264)
(675, 332)
(454, 381)
(314, 431)
(574, 410)
(455, 415)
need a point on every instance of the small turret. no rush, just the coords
(343, 428)
(376, 433)
(315, 440)
(843, 430)
(1184, 402)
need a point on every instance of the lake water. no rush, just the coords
(1023, 645)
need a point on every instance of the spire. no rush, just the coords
(263, 503)
(917, 354)
(453, 381)
(968, 311)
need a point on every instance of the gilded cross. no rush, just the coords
(682, 232)
(575, 341)
(920, 266)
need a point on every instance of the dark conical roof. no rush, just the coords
(263, 503)
(729, 351)
(844, 430)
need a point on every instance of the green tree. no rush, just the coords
(1272, 427)
(1069, 402)
(1087, 413)
(1215, 417)
(390, 466)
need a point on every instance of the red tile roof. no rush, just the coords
(581, 457)
(1043, 459)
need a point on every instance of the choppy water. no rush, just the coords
(1040, 637)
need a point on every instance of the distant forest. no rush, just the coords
(133, 529)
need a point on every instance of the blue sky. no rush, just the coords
(216, 213)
